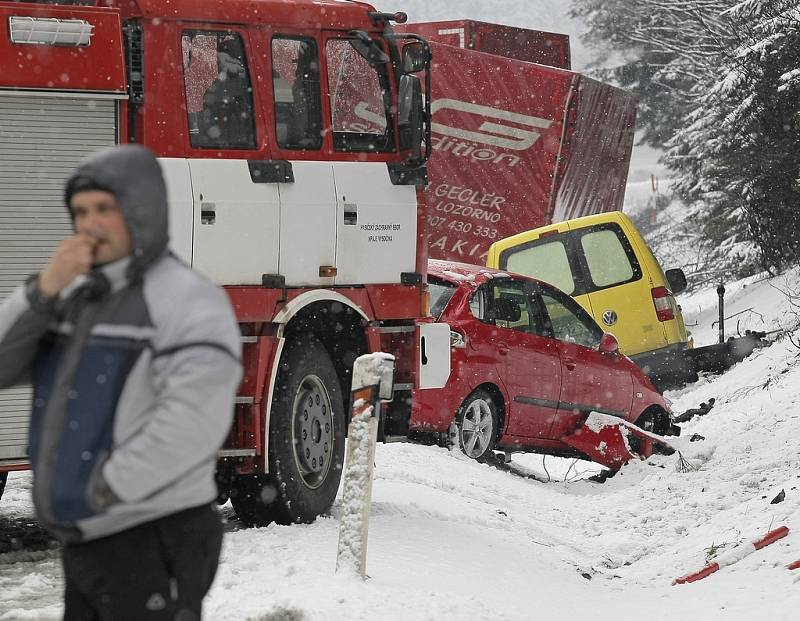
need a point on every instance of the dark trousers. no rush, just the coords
(157, 571)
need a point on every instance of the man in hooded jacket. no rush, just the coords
(135, 361)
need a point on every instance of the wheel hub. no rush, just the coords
(476, 428)
(313, 430)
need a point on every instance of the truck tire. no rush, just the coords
(306, 442)
(253, 497)
(3, 479)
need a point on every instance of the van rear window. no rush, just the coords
(546, 261)
(606, 258)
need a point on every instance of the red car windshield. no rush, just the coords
(440, 292)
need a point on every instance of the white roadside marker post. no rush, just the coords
(372, 381)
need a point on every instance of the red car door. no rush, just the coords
(590, 381)
(528, 363)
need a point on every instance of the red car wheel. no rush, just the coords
(477, 423)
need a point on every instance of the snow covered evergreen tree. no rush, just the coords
(666, 49)
(740, 150)
(719, 82)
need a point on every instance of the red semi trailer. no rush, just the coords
(516, 145)
(533, 46)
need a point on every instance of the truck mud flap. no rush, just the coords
(609, 441)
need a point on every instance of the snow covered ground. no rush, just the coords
(453, 539)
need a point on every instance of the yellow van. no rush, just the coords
(604, 263)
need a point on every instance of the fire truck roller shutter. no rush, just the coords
(42, 138)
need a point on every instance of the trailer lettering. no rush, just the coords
(503, 136)
(469, 212)
(460, 247)
(466, 149)
(469, 196)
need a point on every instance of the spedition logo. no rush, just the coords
(518, 137)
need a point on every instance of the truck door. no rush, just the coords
(307, 213)
(235, 199)
(376, 221)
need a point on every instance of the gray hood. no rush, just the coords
(133, 174)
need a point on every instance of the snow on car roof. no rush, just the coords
(456, 272)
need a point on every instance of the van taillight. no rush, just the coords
(662, 300)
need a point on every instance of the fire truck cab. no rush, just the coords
(293, 135)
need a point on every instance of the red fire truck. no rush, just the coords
(292, 136)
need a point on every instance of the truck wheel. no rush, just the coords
(306, 433)
(477, 423)
(306, 443)
(253, 497)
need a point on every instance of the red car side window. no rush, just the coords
(568, 322)
(506, 304)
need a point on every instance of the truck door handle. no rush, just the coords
(208, 213)
(502, 349)
(350, 213)
(570, 364)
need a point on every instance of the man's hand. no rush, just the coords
(72, 258)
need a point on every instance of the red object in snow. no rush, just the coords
(735, 555)
(606, 440)
(607, 446)
(795, 565)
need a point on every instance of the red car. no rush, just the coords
(529, 365)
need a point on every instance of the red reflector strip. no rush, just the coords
(662, 300)
(363, 399)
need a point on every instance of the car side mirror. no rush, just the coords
(608, 345)
(676, 279)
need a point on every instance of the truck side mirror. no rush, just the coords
(410, 115)
(416, 57)
(676, 279)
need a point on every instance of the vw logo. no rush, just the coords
(609, 318)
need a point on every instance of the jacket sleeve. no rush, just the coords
(21, 329)
(196, 376)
